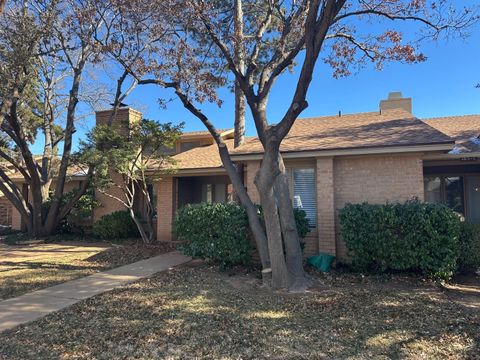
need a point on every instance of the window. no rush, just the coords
(152, 193)
(454, 193)
(433, 189)
(188, 145)
(304, 194)
(447, 190)
(214, 193)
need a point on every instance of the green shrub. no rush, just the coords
(409, 236)
(117, 225)
(469, 246)
(301, 221)
(217, 232)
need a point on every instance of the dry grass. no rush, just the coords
(25, 268)
(196, 312)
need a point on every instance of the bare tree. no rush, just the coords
(46, 48)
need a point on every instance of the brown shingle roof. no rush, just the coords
(201, 157)
(363, 130)
(203, 132)
(464, 129)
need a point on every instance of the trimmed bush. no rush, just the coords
(217, 232)
(117, 225)
(469, 246)
(411, 236)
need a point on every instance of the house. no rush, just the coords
(387, 155)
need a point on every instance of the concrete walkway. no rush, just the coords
(39, 303)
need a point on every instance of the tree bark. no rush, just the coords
(239, 136)
(264, 183)
(298, 281)
(52, 216)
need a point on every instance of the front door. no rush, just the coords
(473, 198)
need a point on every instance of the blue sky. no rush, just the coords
(443, 85)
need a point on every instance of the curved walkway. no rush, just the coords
(37, 304)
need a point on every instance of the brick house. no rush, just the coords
(383, 156)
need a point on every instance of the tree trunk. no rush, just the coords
(239, 136)
(253, 219)
(298, 281)
(52, 217)
(141, 230)
(274, 234)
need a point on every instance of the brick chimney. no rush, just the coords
(396, 101)
(124, 118)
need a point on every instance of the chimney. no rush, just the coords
(124, 118)
(396, 101)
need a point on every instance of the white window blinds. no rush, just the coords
(304, 196)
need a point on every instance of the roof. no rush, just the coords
(464, 129)
(203, 157)
(190, 135)
(354, 131)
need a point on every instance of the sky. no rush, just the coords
(444, 85)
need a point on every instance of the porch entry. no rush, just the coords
(194, 190)
(456, 186)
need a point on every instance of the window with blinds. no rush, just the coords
(304, 194)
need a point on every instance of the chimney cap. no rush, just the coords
(121, 104)
(395, 95)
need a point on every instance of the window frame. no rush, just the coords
(289, 169)
(443, 194)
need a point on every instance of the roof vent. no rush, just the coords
(396, 101)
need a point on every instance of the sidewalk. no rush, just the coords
(37, 304)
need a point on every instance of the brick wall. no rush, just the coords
(5, 211)
(166, 205)
(376, 180)
(124, 118)
(325, 205)
(108, 204)
(251, 169)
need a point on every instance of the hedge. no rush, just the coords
(214, 231)
(411, 236)
(117, 225)
(469, 247)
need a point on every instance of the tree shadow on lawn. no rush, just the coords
(27, 265)
(195, 312)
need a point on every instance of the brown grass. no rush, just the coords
(196, 312)
(25, 268)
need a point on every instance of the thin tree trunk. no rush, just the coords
(239, 123)
(239, 136)
(52, 217)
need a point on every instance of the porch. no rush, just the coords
(455, 183)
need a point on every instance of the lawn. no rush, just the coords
(196, 312)
(29, 267)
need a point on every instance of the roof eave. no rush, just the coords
(353, 151)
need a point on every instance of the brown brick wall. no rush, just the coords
(166, 204)
(375, 180)
(325, 206)
(5, 211)
(108, 204)
(251, 169)
(123, 119)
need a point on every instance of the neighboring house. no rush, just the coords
(382, 156)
